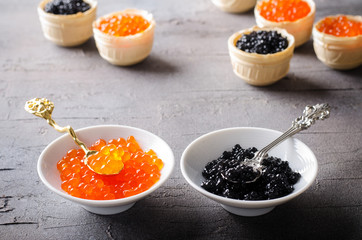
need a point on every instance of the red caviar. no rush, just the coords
(340, 26)
(283, 10)
(123, 25)
(141, 171)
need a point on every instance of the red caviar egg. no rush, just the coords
(283, 10)
(340, 26)
(141, 170)
(123, 25)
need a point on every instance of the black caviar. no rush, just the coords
(262, 42)
(227, 177)
(66, 7)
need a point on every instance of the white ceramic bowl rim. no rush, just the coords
(145, 14)
(236, 202)
(311, 12)
(103, 203)
(92, 3)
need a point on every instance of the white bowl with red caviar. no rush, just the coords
(338, 52)
(211, 145)
(50, 176)
(260, 69)
(67, 30)
(300, 28)
(124, 50)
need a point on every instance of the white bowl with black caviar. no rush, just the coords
(212, 145)
(56, 150)
(261, 69)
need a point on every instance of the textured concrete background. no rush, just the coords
(184, 89)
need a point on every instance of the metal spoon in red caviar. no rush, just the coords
(43, 108)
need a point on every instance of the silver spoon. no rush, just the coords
(310, 115)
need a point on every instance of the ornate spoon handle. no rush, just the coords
(308, 118)
(43, 108)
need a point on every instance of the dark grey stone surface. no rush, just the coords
(184, 89)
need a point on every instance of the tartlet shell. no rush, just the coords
(341, 53)
(301, 29)
(67, 30)
(234, 6)
(127, 50)
(259, 69)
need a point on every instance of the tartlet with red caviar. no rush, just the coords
(126, 37)
(337, 41)
(295, 16)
